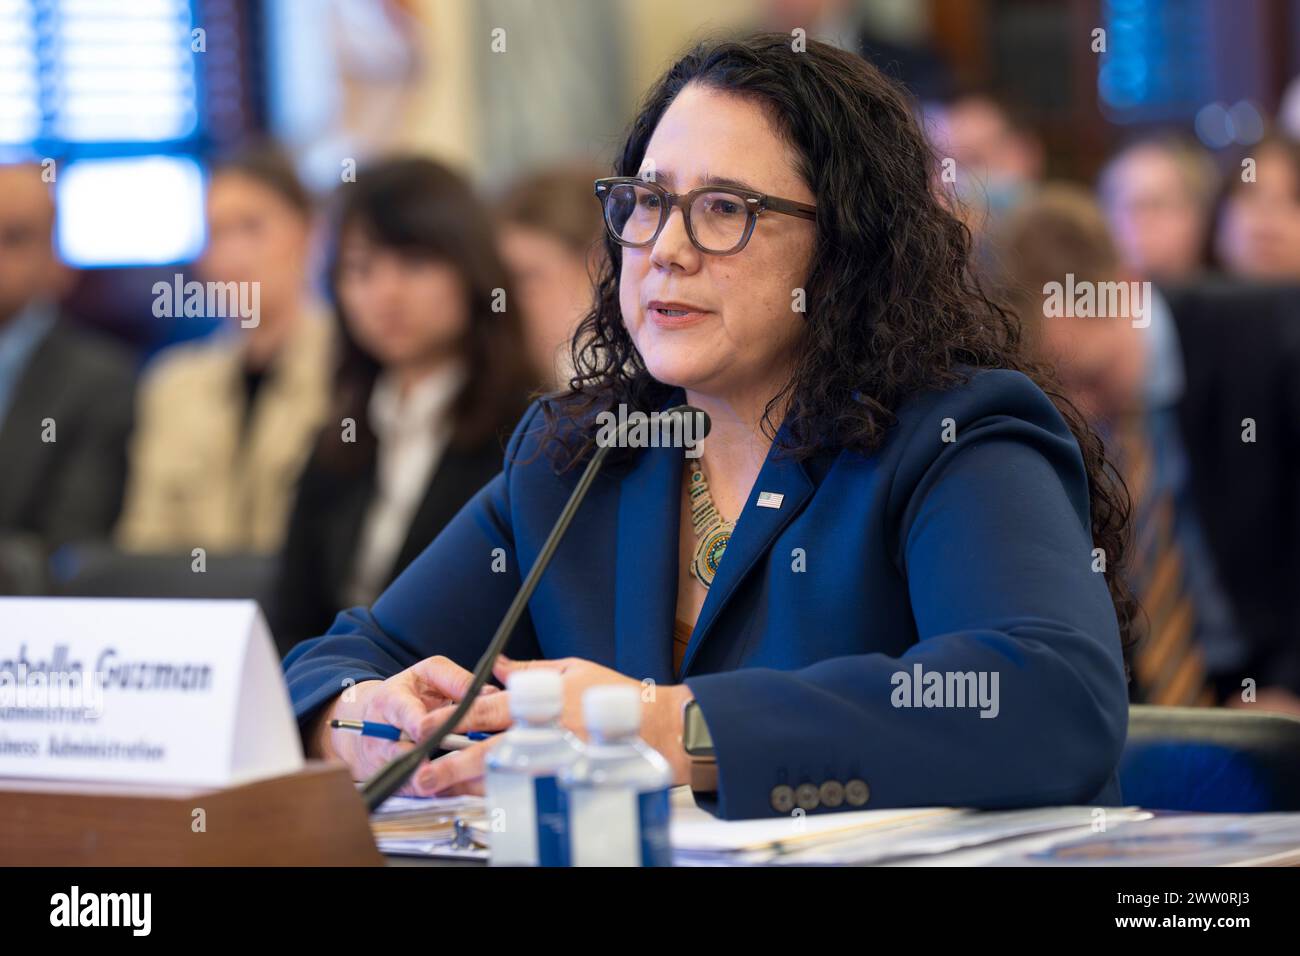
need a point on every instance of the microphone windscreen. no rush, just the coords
(702, 423)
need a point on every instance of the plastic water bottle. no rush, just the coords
(617, 791)
(526, 823)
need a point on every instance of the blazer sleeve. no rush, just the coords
(993, 539)
(424, 612)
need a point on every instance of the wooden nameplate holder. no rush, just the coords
(314, 817)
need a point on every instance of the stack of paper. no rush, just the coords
(1167, 839)
(426, 826)
(700, 839)
(867, 836)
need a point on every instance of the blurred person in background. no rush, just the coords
(66, 395)
(226, 424)
(549, 237)
(431, 380)
(1157, 193)
(1257, 229)
(1166, 396)
(999, 159)
(1288, 111)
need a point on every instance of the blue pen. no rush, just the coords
(370, 728)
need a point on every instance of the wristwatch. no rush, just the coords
(698, 744)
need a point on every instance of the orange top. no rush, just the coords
(681, 637)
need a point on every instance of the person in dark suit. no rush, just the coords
(1240, 422)
(431, 380)
(66, 395)
(1200, 394)
(873, 584)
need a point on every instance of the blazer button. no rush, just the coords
(782, 799)
(806, 796)
(857, 793)
(832, 793)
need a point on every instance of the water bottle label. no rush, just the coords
(655, 847)
(617, 826)
(552, 828)
(603, 827)
(512, 819)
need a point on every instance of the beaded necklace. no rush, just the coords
(712, 531)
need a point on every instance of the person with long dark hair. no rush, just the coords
(432, 377)
(899, 585)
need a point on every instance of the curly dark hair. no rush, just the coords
(893, 305)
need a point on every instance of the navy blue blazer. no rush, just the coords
(959, 549)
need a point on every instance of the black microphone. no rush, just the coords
(388, 780)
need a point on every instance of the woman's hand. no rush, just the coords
(462, 772)
(404, 700)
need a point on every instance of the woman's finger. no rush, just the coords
(398, 705)
(486, 713)
(443, 675)
(471, 788)
(375, 752)
(453, 769)
(506, 666)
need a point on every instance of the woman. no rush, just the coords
(1257, 229)
(908, 504)
(225, 425)
(431, 380)
(1156, 193)
(550, 238)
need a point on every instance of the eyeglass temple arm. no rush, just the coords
(790, 208)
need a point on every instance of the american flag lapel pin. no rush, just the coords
(770, 499)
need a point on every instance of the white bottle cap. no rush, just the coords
(612, 710)
(536, 694)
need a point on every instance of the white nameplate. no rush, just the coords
(145, 691)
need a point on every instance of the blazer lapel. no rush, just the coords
(756, 529)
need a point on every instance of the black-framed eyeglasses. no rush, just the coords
(719, 219)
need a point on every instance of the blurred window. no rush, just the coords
(108, 95)
(1159, 59)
